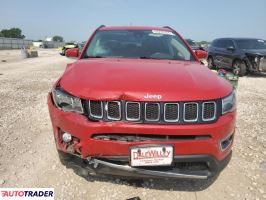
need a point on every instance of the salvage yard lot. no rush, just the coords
(28, 156)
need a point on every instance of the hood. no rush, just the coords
(142, 80)
(255, 52)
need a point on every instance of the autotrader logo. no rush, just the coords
(27, 193)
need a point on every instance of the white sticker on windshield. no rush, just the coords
(260, 40)
(155, 35)
(163, 32)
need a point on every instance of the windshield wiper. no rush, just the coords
(94, 57)
(145, 57)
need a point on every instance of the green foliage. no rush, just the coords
(203, 42)
(58, 38)
(12, 33)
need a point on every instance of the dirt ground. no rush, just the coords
(28, 157)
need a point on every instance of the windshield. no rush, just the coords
(251, 44)
(146, 44)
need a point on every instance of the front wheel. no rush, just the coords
(239, 68)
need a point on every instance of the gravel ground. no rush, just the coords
(28, 157)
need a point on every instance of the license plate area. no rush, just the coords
(161, 155)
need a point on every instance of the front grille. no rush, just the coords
(96, 109)
(132, 111)
(208, 111)
(114, 110)
(190, 112)
(191, 166)
(127, 137)
(154, 112)
(171, 112)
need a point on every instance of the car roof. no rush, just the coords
(134, 28)
(238, 38)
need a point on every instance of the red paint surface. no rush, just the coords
(74, 52)
(201, 54)
(132, 79)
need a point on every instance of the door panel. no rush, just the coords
(229, 54)
(219, 54)
(224, 56)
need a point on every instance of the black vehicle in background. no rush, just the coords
(242, 55)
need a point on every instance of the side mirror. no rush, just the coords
(74, 53)
(201, 54)
(230, 48)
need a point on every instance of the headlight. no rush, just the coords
(66, 102)
(229, 103)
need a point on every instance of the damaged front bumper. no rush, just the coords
(182, 167)
(256, 62)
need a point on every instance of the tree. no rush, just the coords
(58, 38)
(203, 42)
(12, 33)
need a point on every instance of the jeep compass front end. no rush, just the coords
(137, 103)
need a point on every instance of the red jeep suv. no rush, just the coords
(138, 104)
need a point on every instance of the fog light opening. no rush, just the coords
(226, 142)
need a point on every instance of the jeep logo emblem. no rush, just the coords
(153, 96)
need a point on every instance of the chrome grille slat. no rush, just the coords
(152, 112)
(132, 111)
(96, 109)
(208, 111)
(171, 112)
(114, 110)
(190, 113)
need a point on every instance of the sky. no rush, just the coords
(76, 19)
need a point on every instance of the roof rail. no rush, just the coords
(168, 27)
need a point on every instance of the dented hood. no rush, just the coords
(142, 80)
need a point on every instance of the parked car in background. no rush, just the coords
(138, 104)
(243, 55)
(194, 45)
(67, 46)
(198, 50)
(78, 49)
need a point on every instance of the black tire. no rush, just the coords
(210, 62)
(239, 68)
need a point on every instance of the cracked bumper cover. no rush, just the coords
(99, 166)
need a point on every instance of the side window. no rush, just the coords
(221, 44)
(229, 43)
(214, 43)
